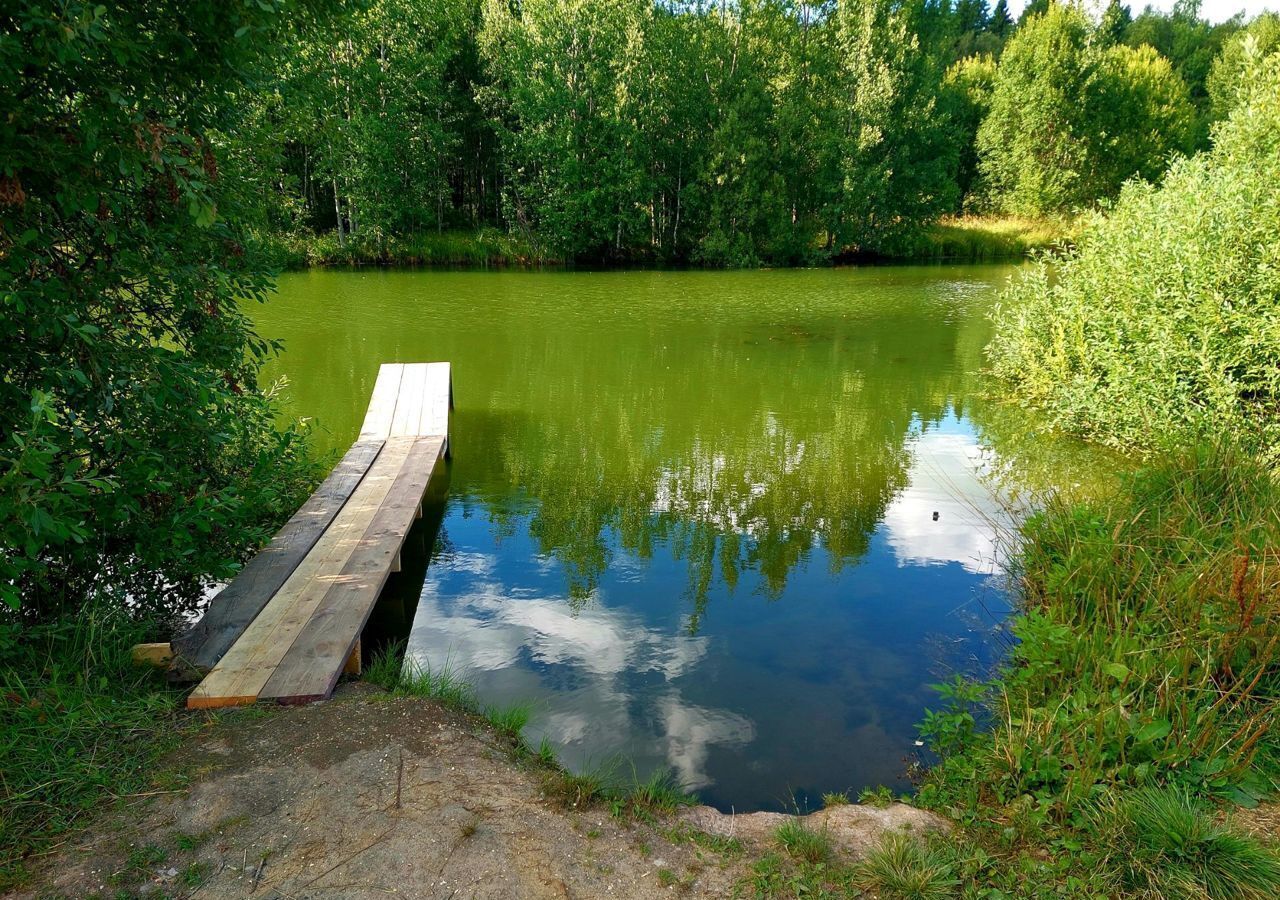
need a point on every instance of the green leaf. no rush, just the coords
(1118, 671)
(1153, 731)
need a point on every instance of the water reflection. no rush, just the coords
(692, 515)
(757, 701)
(579, 665)
(951, 509)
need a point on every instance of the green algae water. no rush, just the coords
(730, 524)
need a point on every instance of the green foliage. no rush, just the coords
(1147, 652)
(1031, 144)
(803, 842)
(1243, 51)
(879, 796)
(723, 134)
(1116, 19)
(1143, 116)
(763, 131)
(359, 124)
(966, 99)
(558, 68)
(1174, 847)
(1189, 42)
(952, 729)
(137, 453)
(897, 163)
(904, 867)
(1071, 120)
(1163, 321)
(78, 724)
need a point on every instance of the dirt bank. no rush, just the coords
(366, 796)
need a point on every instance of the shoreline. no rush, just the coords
(953, 239)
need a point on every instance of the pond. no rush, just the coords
(733, 524)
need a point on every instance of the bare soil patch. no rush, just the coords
(367, 796)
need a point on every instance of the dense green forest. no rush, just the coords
(157, 159)
(714, 133)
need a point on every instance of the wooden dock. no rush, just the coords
(289, 624)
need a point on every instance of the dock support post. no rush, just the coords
(353, 666)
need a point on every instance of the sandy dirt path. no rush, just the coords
(369, 797)
(373, 796)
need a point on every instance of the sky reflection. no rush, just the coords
(829, 670)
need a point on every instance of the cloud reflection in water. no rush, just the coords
(579, 665)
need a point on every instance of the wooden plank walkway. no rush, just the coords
(293, 620)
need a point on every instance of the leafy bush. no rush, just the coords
(138, 456)
(1227, 76)
(1164, 321)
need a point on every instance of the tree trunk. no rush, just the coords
(337, 212)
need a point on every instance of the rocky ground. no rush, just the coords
(371, 797)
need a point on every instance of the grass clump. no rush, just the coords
(577, 789)
(803, 843)
(1174, 847)
(835, 798)
(79, 725)
(661, 792)
(401, 678)
(907, 868)
(509, 721)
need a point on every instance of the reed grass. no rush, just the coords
(1144, 682)
(993, 238)
(79, 725)
(484, 248)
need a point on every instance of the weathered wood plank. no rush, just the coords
(230, 612)
(312, 665)
(410, 401)
(382, 403)
(437, 400)
(151, 654)
(242, 672)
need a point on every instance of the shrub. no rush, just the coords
(1164, 322)
(1226, 77)
(1148, 651)
(138, 456)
